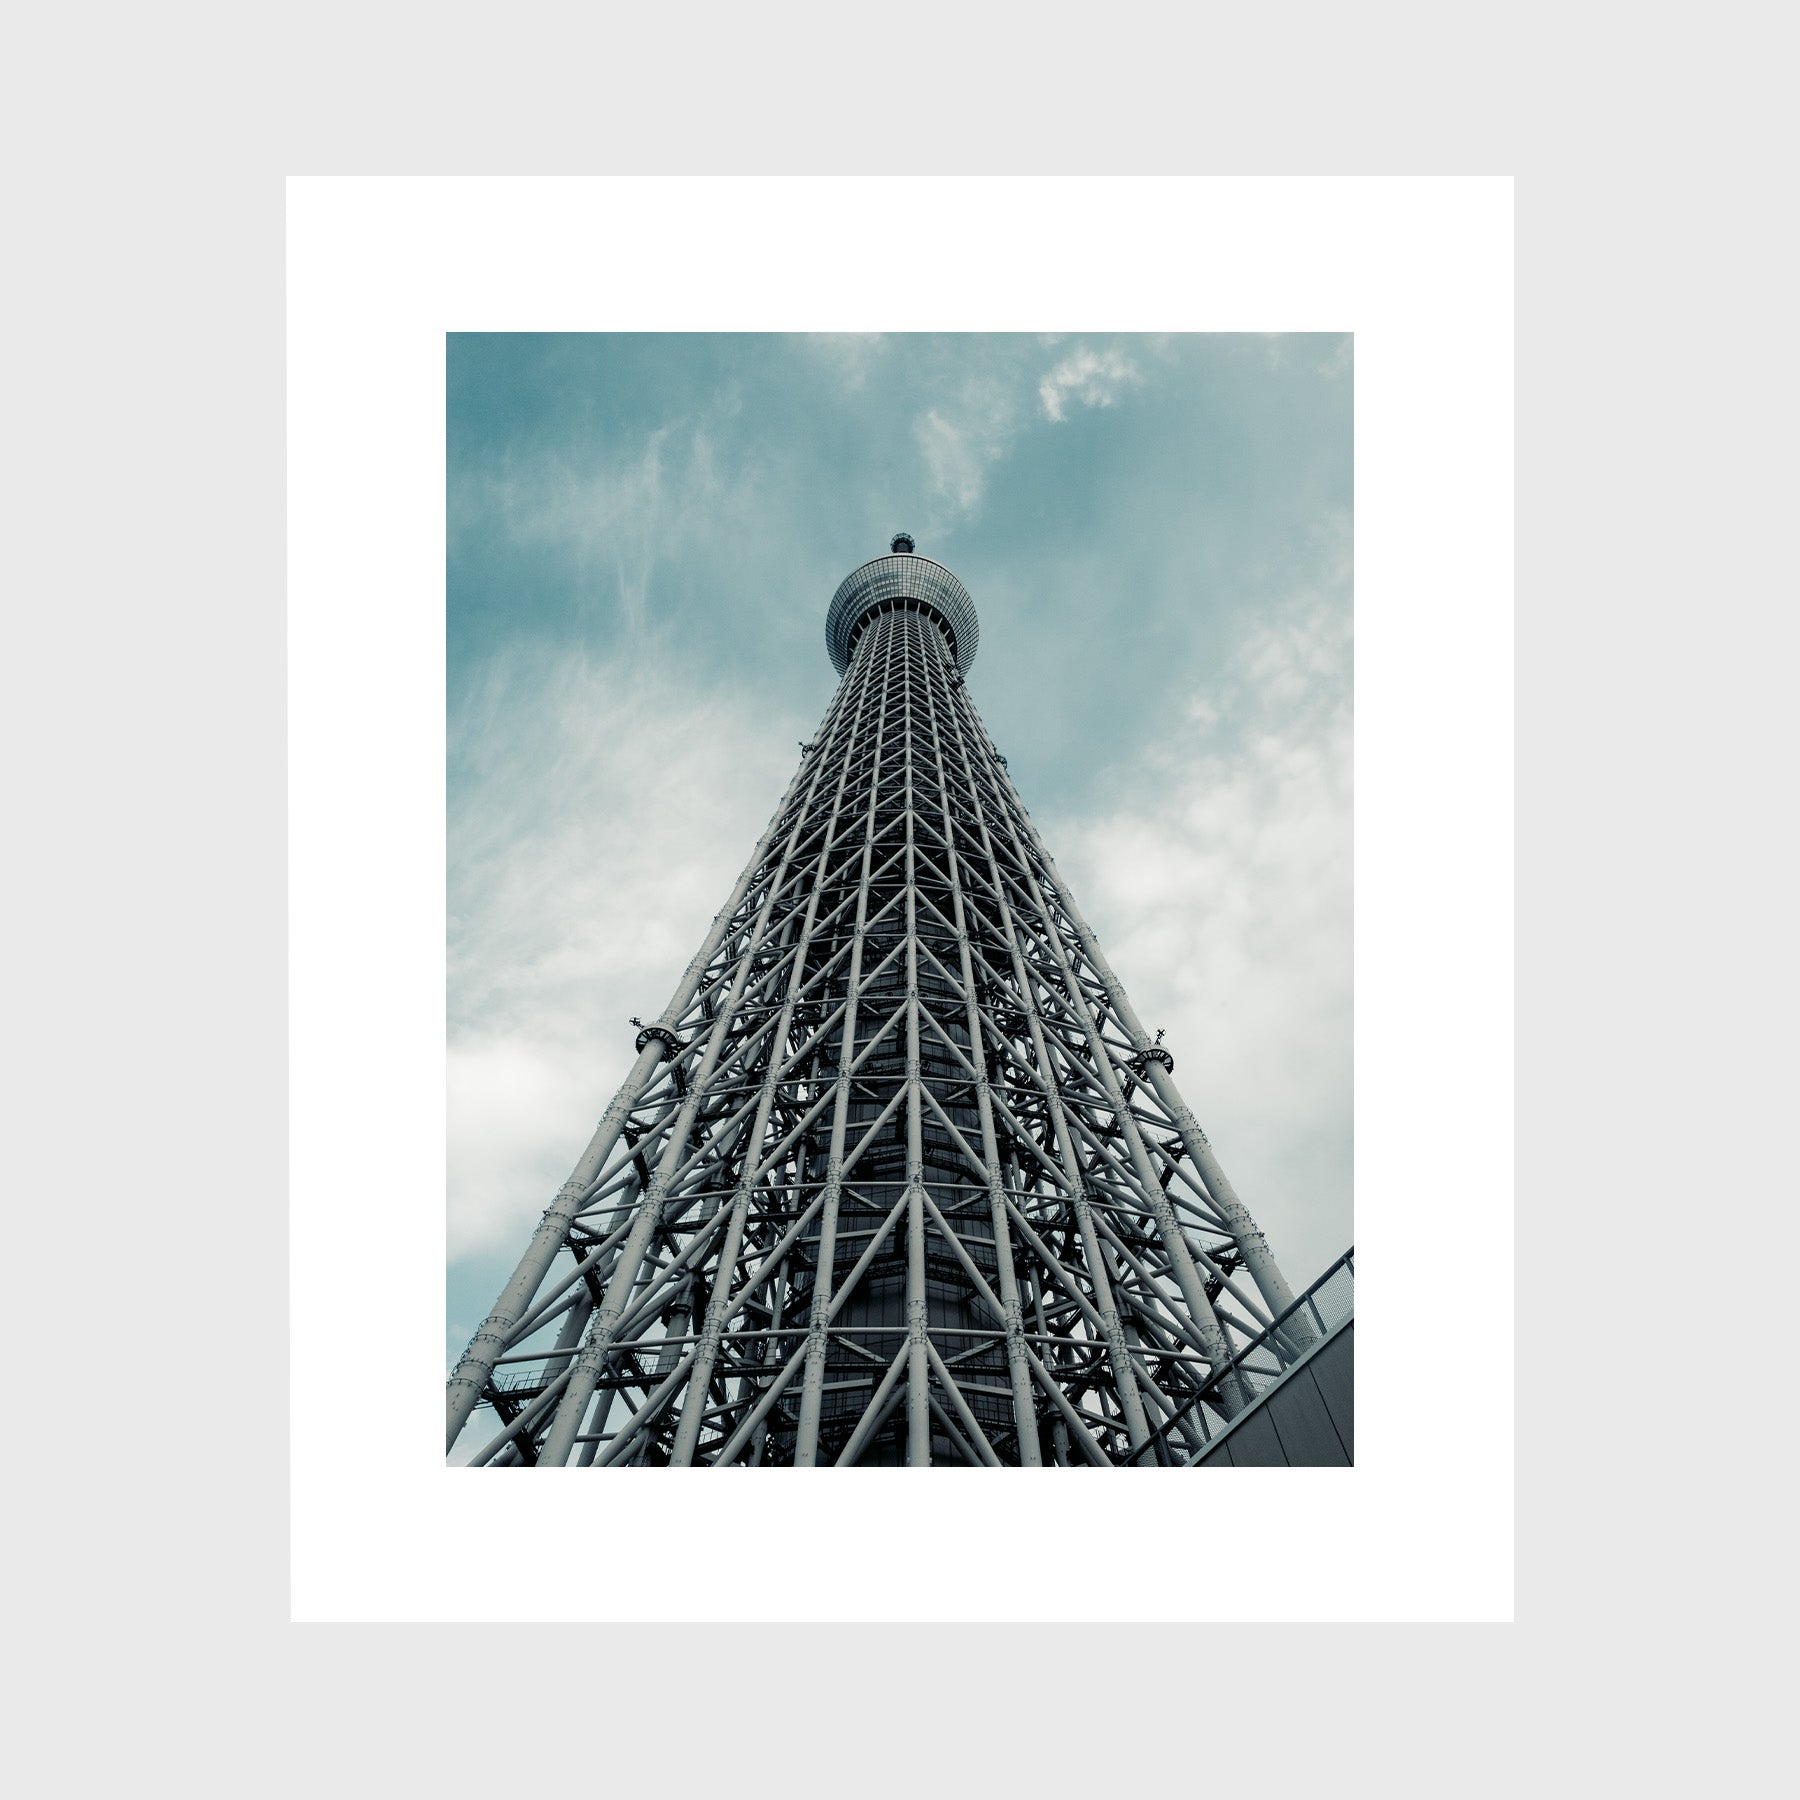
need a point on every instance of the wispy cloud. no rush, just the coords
(1337, 364)
(1088, 376)
(603, 813)
(849, 354)
(963, 436)
(1222, 887)
(615, 516)
(974, 423)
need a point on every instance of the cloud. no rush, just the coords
(973, 422)
(1093, 377)
(1221, 888)
(616, 515)
(849, 354)
(963, 436)
(955, 463)
(602, 813)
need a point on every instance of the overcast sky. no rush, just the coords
(644, 533)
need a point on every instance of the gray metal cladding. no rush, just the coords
(1303, 1422)
(1304, 1425)
(1254, 1445)
(1334, 1371)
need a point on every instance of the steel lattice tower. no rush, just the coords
(897, 1175)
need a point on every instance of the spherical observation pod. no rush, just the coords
(901, 580)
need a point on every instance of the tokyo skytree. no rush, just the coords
(898, 1176)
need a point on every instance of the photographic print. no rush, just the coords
(899, 939)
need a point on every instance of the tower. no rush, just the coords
(897, 1175)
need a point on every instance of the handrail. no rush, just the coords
(1264, 1339)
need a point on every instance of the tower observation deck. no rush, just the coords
(897, 1176)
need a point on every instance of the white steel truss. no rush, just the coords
(897, 1175)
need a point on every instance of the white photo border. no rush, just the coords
(1421, 270)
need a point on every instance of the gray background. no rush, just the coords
(145, 725)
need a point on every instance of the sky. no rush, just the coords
(644, 534)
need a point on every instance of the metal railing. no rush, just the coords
(1325, 1305)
